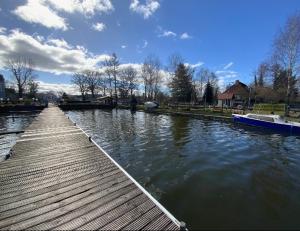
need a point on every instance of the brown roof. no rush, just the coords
(229, 93)
(224, 96)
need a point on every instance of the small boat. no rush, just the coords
(274, 122)
(149, 106)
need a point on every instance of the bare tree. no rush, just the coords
(93, 81)
(80, 80)
(287, 49)
(151, 76)
(108, 78)
(129, 77)
(32, 88)
(173, 61)
(262, 73)
(203, 77)
(112, 68)
(22, 71)
(103, 82)
(201, 80)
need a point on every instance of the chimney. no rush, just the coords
(237, 82)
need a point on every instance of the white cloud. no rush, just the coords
(45, 12)
(123, 46)
(53, 55)
(86, 7)
(145, 44)
(57, 87)
(165, 76)
(225, 77)
(2, 30)
(228, 66)
(185, 36)
(58, 42)
(195, 65)
(227, 74)
(167, 34)
(146, 9)
(99, 26)
(35, 12)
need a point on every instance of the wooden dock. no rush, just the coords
(58, 178)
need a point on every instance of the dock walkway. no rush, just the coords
(58, 178)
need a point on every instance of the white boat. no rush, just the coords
(150, 105)
(274, 122)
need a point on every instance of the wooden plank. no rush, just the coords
(80, 216)
(101, 221)
(58, 193)
(51, 211)
(130, 216)
(144, 220)
(60, 179)
(57, 178)
(159, 224)
(53, 196)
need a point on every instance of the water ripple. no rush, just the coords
(226, 174)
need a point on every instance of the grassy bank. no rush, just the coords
(211, 113)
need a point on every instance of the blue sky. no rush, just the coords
(231, 37)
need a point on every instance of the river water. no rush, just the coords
(12, 122)
(207, 173)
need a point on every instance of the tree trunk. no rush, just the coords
(20, 91)
(116, 94)
(93, 94)
(288, 92)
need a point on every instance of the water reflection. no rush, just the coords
(210, 174)
(180, 130)
(12, 122)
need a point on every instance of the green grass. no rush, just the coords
(262, 109)
(269, 107)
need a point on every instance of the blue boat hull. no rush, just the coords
(285, 128)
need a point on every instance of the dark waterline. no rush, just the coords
(209, 174)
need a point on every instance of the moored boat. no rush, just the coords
(274, 122)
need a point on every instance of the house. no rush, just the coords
(2, 87)
(235, 95)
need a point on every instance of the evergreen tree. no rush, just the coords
(280, 83)
(181, 85)
(255, 81)
(208, 96)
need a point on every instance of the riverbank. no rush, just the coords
(20, 108)
(195, 114)
(209, 113)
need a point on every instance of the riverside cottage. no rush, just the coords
(235, 95)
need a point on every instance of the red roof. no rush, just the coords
(229, 93)
(224, 96)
